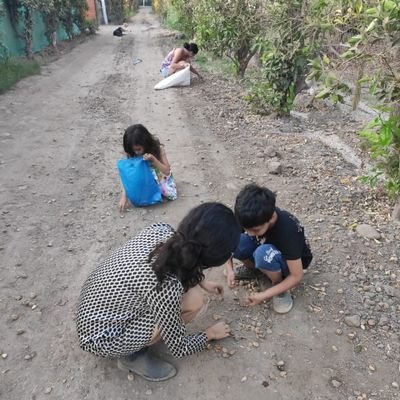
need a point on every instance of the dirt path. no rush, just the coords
(59, 140)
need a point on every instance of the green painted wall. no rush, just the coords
(16, 45)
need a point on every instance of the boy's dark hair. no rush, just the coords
(191, 47)
(254, 205)
(138, 135)
(205, 238)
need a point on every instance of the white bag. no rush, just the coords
(180, 78)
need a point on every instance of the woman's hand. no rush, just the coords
(149, 157)
(254, 298)
(218, 331)
(213, 287)
(230, 278)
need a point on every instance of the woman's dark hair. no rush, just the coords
(205, 238)
(254, 205)
(191, 47)
(138, 135)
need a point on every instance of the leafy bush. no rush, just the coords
(372, 47)
(383, 138)
(54, 12)
(284, 52)
(229, 28)
(180, 16)
(281, 73)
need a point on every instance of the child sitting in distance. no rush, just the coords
(138, 141)
(273, 243)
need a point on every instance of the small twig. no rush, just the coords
(317, 289)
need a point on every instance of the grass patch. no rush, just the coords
(13, 70)
(172, 19)
(208, 62)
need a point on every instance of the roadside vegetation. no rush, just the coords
(342, 48)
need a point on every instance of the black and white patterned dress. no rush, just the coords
(119, 307)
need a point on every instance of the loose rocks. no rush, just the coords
(336, 383)
(353, 321)
(274, 167)
(367, 231)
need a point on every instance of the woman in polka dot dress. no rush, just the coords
(150, 287)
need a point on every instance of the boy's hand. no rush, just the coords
(253, 299)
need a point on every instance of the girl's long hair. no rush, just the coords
(138, 135)
(205, 238)
(191, 47)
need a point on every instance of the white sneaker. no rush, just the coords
(282, 303)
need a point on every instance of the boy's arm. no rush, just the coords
(294, 278)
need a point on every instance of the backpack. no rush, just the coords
(138, 180)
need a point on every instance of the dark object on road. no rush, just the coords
(118, 32)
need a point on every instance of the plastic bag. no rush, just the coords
(168, 187)
(180, 78)
(137, 178)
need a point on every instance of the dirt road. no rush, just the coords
(60, 138)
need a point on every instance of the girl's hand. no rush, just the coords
(218, 331)
(213, 288)
(253, 299)
(148, 157)
(123, 203)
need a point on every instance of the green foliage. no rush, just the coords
(284, 52)
(180, 16)
(115, 9)
(90, 27)
(161, 7)
(172, 19)
(383, 138)
(4, 51)
(13, 70)
(120, 10)
(373, 46)
(54, 12)
(261, 96)
(229, 28)
(211, 63)
(130, 7)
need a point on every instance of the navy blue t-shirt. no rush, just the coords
(287, 235)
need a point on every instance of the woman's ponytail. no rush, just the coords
(206, 237)
(178, 257)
